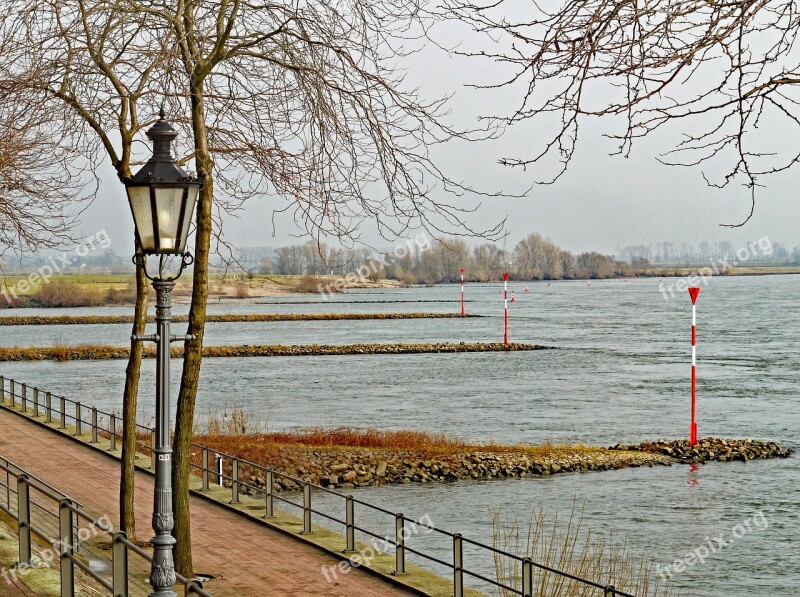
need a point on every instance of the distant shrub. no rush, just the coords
(121, 296)
(314, 284)
(65, 294)
(241, 290)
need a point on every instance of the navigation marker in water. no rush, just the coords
(462, 292)
(513, 297)
(693, 292)
(505, 311)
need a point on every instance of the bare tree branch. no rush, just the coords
(644, 64)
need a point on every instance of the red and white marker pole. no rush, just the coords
(505, 312)
(462, 292)
(693, 292)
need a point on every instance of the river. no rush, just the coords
(620, 374)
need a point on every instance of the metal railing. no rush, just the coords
(71, 517)
(212, 471)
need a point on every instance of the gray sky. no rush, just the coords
(601, 203)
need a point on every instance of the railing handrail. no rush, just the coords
(41, 485)
(65, 543)
(458, 568)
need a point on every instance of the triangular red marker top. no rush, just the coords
(505, 276)
(693, 292)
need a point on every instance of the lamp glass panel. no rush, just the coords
(139, 198)
(191, 201)
(169, 201)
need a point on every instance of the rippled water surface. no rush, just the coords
(620, 374)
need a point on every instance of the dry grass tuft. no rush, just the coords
(225, 435)
(571, 550)
(235, 421)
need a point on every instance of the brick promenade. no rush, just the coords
(247, 559)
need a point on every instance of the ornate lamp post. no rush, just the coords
(162, 197)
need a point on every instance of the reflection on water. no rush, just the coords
(620, 374)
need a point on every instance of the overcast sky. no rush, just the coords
(601, 203)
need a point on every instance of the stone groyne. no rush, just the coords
(95, 353)
(347, 468)
(711, 449)
(225, 318)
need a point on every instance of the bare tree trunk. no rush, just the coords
(127, 516)
(184, 421)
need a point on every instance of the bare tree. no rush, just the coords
(94, 68)
(44, 179)
(726, 71)
(300, 102)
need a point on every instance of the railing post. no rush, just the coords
(112, 429)
(13, 393)
(350, 518)
(235, 481)
(218, 468)
(24, 398)
(119, 564)
(63, 413)
(94, 425)
(78, 421)
(24, 517)
(205, 486)
(609, 591)
(66, 549)
(527, 577)
(270, 513)
(458, 566)
(152, 448)
(2, 389)
(48, 407)
(35, 402)
(8, 487)
(306, 508)
(400, 544)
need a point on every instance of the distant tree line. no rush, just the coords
(683, 254)
(533, 258)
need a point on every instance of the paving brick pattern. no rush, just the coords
(247, 559)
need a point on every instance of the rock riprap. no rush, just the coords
(346, 468)
(361, 467)
(711, 449)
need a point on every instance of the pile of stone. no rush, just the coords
(349, 468)
(711, 449)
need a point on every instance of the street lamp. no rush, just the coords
(162, 198)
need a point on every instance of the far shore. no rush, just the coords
(104, 289)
